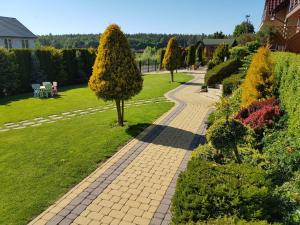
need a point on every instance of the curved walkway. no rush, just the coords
(135, 186)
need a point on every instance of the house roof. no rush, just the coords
(11, 27)
(208, 42)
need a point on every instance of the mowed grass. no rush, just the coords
(39, 164)
(24, 107)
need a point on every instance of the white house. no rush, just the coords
(14, 34)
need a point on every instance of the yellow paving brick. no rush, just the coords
(133, 204)
(136, 212)
(128, 218)
(141, 221)
(95, 216)
(106, 219)
(105, 211)
(82, 220)
(117, 214)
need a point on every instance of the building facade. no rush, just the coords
(283, 17)
(13, 34)
(210, 45)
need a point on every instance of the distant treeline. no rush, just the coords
(136, 41)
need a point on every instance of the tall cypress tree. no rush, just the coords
(115, 74)
(170, 61)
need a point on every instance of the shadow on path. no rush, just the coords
(167, 136)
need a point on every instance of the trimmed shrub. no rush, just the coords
(260, 114)
(24, 62)
(282, 153)
(9, 81)
(227, 135)
(221, 53)
(239, 52)
(232, 83)
(253, 46)
(287, 73)
(259, 80)
(208, 153)
(208, 190)
(289, 195)
(230, 221)
(228, 106)
(221, 71)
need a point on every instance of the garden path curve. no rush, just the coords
(135, 186)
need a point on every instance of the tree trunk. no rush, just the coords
(237, 155)
(118, 105)
(172, 76)
(122, 111)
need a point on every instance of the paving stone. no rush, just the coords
(3, 130)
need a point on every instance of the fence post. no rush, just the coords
(148, 65)
(140, 66)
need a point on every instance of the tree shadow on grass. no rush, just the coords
(167, 136)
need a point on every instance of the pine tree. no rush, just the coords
(115, 74)
(171, 57)
(259, 80)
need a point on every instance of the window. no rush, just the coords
(7, 43)
(25, 44)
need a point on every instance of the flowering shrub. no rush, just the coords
(260, 114)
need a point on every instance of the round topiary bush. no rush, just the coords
(208, 190)
(226, 135)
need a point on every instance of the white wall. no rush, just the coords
(17, 42)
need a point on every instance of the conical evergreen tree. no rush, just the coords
(259, 81)
(115, 74)
(170, 61)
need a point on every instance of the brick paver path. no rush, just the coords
(136, 185)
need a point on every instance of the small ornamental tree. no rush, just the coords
(226, 135)
(171, 57)
(199, 54)
(258, 84)
(115, 74)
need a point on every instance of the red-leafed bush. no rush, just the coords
(260, 114)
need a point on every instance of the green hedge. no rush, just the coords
(66, 66)
(232, 83)
(209, 190)
(230, 221)
(287, 72)
(221, 71)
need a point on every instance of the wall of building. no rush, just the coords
(17, 42)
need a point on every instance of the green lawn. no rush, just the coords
(25, 107)
(38, 165)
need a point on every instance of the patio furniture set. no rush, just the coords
(45, 90)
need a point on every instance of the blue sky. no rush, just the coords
(134, 16)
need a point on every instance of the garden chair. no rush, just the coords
(36, 90)
(54, 88)
(46, 82)
(48, 90)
